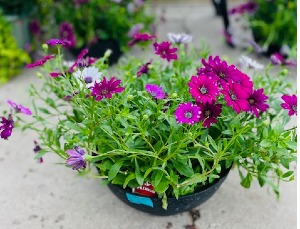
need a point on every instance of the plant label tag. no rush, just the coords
(139, 200)
(145, 190)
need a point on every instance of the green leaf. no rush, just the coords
(292, 145)
(265, 143)
(287, 174)
(72, 126)
(130, 177)
(246, 182)
(138, 175)
(162, 186)
(43, 110)
(285, 162)
(158, 175)
(107, 129)
(212, 143)
(50, 102)
(183, 169)
(261, 180)
(114, 170)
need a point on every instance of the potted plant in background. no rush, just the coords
(92, 24)
(268, 26)
(163, 132)
(12, 58)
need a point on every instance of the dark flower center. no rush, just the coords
(222, 75)
(104, 92)
(188, 114)
(88, 79)
(207, 113)
(251, 101)
(294, 108)
(203, 90)
(233, 97)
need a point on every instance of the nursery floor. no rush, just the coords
(49, 196)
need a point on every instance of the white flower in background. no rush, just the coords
(89, 75)
(181, 38)
(249, 63)
(68, 64)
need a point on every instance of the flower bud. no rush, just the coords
(39, 75)
(174, 96)
(45, 47)
(150, 66)
(127, 74)
(130, 97)
(284, 71)
(145, 117)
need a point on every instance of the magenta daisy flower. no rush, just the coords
(6, 127)
(155, 91)
(76, 158)
(105, 89)
(40, 62)
(141, 37)
(55, 42)
(187, 113)
(290, 103)
(209, 113)
(218, 69)
(19, 108)
(243, 80)
(257, 102)
(164, 51)
(236, 97)
(203, 88)
(144, 69)
(66, 32)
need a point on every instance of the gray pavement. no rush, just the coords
(50, 196)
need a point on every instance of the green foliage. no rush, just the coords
(11, 57)
(132, 138)
(95, 19)
(275, 22)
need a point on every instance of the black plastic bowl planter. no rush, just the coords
(153, 205)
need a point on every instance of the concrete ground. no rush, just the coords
(50, 196)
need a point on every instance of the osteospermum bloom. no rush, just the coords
(187, 113)
(19, 108)
(105, 89)
(250, 63)
(141, 37)
(181, 38)
(203, 88)
(218, 69)
(165, 51)
(55, 42)
(243, 80)
(6, 126)
(155, 91)
(277, 59)
(76, 158)
(40, 62)
(89, 75)
(135, 29)
(209, 113)
(236, 97)
(290, 104)
(257, 101)
(144, 69)
(66, 33)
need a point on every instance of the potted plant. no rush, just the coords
(268, 26)
(163, 132)
(12, 58)
(92, 24)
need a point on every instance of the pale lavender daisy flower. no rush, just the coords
(181, 38)
(250, 63)
(155, 91)
(187, 113)
(19, 108)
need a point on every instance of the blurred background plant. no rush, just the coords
(12, 58)
(85, 22)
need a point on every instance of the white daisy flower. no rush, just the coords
(249, 63)
(89, 75)
(181, 38)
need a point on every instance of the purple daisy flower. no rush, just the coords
(19, 108)
(243, 80)
(187, 113)
(6, 127)
(55, 42)
(277, 59)
(144, 69)
(218, 69)
(236, 97)
(155, 91)
(203, 88)
(105, 89)
(76, 158)
(164, 51)
(66, 32)
(40, 62)
(135, 29)
(257, 102)
(141, 37)
(290, 103)
(209, 113)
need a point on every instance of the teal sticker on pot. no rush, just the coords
(139, 200)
